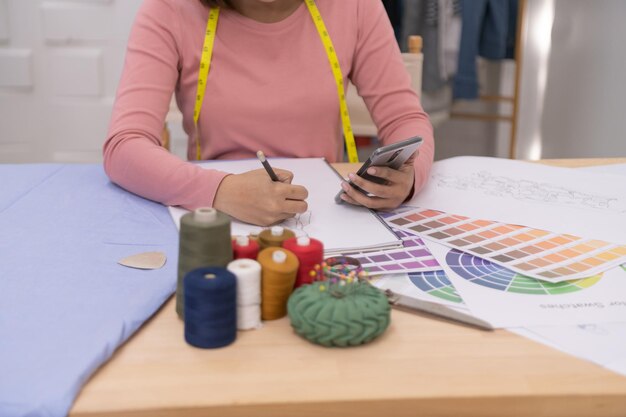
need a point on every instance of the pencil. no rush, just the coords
(266, 165)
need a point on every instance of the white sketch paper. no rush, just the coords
(603, 344)
(561, 200)
(601, 300)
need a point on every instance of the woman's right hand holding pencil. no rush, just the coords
(253, 197)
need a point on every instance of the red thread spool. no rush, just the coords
(244, 247)
(310, 252)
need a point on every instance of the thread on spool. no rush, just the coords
(244, 247)
(279, 257)
(248, 273)
(210, 307)
(310, 252)
(204, 241)
(205, 214)
(277, 280)
(274, 237)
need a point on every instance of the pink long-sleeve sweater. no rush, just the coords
(270, 88)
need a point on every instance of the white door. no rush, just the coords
(60, 63)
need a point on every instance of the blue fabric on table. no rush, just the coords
(65, 303)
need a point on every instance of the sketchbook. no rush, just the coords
(341, 227)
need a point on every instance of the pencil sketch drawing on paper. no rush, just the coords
(299, 221)
(526, 190)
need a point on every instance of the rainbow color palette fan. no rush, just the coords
(436, 284)
(488, 274)
(536, 253)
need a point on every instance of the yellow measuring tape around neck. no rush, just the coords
(203, 74)
(205, 63)
(334, 64)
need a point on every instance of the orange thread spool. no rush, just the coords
(310, 252)
(279, 269)
(274, 237)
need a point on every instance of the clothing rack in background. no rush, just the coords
(512, 118)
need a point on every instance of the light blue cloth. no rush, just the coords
(65, 303)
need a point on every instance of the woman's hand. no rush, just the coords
(399, 184)
(254, 198)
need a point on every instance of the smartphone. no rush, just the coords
(392, 156)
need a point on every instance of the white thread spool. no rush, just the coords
(248, 273)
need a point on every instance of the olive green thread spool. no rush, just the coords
(204, 241)
(274, 237)
(339, 315)
(279, 270)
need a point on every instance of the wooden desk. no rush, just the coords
(421, 366)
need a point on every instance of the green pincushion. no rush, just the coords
(339, 315)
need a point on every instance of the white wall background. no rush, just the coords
(585, 99)
(60, 63)
(573, 98)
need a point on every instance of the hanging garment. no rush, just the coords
(488, 30)
(449, 37)
(420, 17)
(394, 11)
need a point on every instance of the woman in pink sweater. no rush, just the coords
(270, 88)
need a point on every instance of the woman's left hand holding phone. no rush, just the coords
(398, 187)
(254, 198)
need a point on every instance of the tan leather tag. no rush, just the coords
(145, 260)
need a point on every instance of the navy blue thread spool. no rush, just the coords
(210, 307)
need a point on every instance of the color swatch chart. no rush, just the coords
(436, 284)
(537, 253)
(412, 257)
(482, 272)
